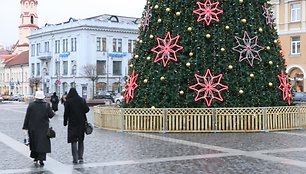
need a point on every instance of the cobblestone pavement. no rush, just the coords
(112, 152)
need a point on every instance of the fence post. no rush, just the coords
(264, 120)
(121, 119)
(165, 120)
(299, 117)
(214, 120)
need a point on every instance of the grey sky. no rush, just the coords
(56, 11)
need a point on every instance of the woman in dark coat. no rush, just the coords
(37, 123)
(75, 116)
(54, 100)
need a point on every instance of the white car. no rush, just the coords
(118, 100)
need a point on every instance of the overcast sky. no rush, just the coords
(57, 11)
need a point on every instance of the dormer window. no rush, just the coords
(114, 19)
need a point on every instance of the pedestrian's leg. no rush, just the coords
(81, 151)
(74, 150)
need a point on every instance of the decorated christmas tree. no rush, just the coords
(207, 53)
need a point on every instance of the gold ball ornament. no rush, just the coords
(181, 92)
(191, 54)
(148, 58)
(159, 20)
(137, 40)
(145, 81)
(241, 91)
(188, 64)
(167, 9)
(251, 75)
(140, 41)
(162, 78)
(260, 29)
(131, 65)
(208, 36)
(189, 29)
(270, 62)
(268, 48)
(227, 27)
(136, 56)
(222, 49)
(178, 13)
(156, 6)
(270, 84)
(152, 107)
(241, 1)
(230, 67)
(243, 21)
(275, 41)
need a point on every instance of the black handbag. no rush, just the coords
(88, 128)
(51, 133)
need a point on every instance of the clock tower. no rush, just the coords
(28, 22)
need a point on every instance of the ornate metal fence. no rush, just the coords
(200, 119)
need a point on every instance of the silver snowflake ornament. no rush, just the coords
(146, 17)
(248, 48)
(268, 15)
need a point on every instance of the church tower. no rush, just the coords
(28, 22)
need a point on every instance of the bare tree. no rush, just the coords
(90, 72)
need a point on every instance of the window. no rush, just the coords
(134, 43)
(57, 68)
(103, 44)
(38, 69)
(37, 49)
(120, 45)
(57, 46)
(295, 12)
(65, 67)
(114, 45)
(295, 45)
(101, 67)
(98, 43)
(32, 69)
(73, 68)
(73, 44)
(33, 50)
(117, 67)
(65, 45)
(47, 47)
(130, 46)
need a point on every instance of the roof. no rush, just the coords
(20, 59)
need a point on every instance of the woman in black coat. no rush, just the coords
(75, 116)
(54, 100)
(37, 123)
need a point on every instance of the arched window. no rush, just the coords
(32, 19)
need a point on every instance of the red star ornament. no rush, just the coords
(208, 86)
(208, 11)
(285, 87)
(166, 49)
(130, 87)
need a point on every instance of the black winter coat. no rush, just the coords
(37, 123)
(54, 100)
(75, 116)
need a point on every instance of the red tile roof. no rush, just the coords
(20, 59)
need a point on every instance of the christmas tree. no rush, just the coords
(207, 53)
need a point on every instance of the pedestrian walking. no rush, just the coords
(75, 117)
(54, 100)
(36, 122)
(64, 97)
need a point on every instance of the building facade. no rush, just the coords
(290, 17)
(90, 54)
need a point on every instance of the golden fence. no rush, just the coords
(200, 119)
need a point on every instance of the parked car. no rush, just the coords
(118, 100)
(105, 96)
(299, 96)
(1, 99)
(6, 97)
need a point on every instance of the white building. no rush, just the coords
(59, 53)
